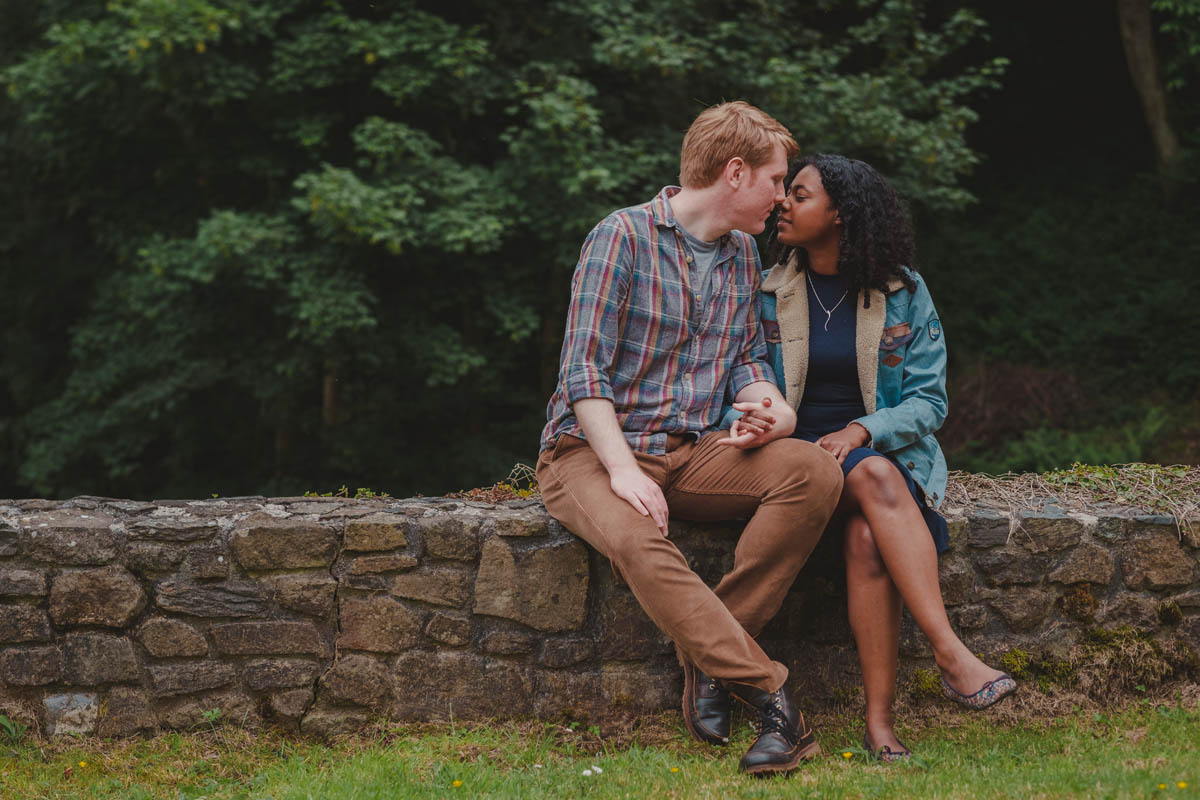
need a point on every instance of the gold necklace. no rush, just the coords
(816, 294)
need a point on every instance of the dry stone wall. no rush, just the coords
(318, 614)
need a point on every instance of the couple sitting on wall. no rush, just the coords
(804, 399)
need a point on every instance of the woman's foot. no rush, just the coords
(885, 747)
(966, 675)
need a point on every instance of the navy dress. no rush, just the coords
(832, 395)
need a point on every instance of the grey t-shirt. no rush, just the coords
(704, 258)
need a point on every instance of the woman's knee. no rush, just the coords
(861, 552)
(875, 479)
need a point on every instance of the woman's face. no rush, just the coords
(807, 217)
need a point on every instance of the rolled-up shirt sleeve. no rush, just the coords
(751, 363)
(599, 290)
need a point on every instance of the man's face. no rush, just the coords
(759, 191)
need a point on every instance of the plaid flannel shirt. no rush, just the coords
(638, 333)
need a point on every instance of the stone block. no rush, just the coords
(357, 679)
(196, 676)
(110, 596)
(71, 713)
(1134, 610)
(544, 587)
(90, 659)
(959, 529)
(1042, 531)
(640, 688)
(439, 685)
(125, 712)
(515, 522)
(33, 666)
(268, 674)
(267, 638)
(68, 537)
(232, 599)
(150, 557)
(326, 723)
(263, 542)
(442, 587)
(1187, 600)
(23, 624)
(22, 583)
(308, 593)
(173, 528)
(450, 536)
(987, 528)
(10, 539)
(1006, 566)
(957, 580)
(378, 531)
(204, 564)
(164, 638)
(567, 652)
(374, 565)
(625, 633)
(451, 629)
(1085, 564)
(291, 704)
(507, 643)
(568, 694)
(378, 624)
(1155, 561)
(1023, 608)
(968, 618)
(233, 707)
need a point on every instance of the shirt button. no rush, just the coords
(911, 465)
(689, 259)
(888, 340)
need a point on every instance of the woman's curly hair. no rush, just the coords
(876, 237)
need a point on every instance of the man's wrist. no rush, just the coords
(863, 433)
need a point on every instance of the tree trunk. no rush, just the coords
(1137, 35)
(329, 395)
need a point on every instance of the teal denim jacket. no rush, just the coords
(901, 367)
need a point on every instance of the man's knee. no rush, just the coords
(807, 465)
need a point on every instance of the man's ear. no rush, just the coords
(736, 171)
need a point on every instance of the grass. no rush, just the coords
(1126, 753)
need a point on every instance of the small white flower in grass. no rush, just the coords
(597, 770)
(587, 773)
(537, 766)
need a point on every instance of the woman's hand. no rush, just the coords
(840, 443)
(754, 428)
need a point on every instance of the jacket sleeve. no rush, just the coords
(599, 290)
(750, 365)
(923, 402)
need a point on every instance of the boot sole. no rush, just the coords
(805, 753)
(689, 680)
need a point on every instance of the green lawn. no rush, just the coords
(1131, 753)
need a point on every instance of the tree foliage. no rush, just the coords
(286, 244)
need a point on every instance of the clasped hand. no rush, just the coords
(754, 428)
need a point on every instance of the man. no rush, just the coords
(663, 326)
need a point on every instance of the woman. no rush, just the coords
(859, 353)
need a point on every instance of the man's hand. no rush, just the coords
(754, 428)
(840, 443)
(635, 487)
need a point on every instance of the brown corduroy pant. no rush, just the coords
(788, 488)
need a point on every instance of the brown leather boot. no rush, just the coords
(784, 739)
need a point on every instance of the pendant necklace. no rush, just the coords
(828, 311)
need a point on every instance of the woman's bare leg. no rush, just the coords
(874, 606)
(877, 491)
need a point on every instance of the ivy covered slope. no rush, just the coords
(288, 244)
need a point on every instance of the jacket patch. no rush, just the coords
(891, 341)
(897, 330)
(771, 331)
(891, 360)
(935, 329)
